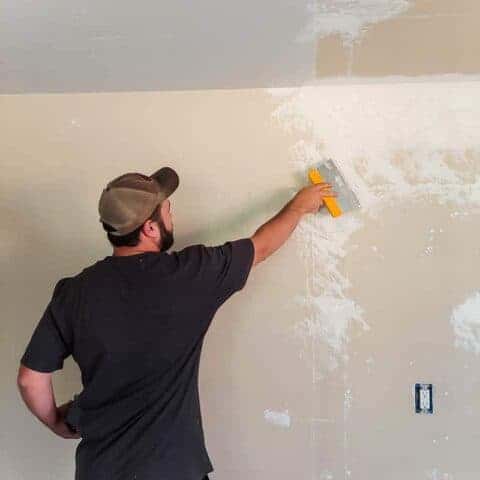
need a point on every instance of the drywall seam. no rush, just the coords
(404, 79)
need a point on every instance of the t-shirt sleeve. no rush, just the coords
(51, 341)
(222, 270)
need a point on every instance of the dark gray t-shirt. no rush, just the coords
(135, 326)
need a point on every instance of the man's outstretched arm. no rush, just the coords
(273, 234)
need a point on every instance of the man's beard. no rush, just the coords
(166, 240)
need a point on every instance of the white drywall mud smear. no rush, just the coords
(465, 322)
(279, 419)
(349, 18)
(395, 143)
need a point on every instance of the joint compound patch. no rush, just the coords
(349, 19)
(280, 419)
(395, 143)
(465, 321)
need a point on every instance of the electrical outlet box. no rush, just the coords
(424, 398)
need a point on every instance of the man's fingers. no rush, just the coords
(320, 186)
(326, 190)
(328, 193)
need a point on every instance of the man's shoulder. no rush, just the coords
(72, 282)
(195, 249)
(200, 251)
(221, 254)
(200, 248)
(191, 254)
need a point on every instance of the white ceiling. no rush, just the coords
(107, 45)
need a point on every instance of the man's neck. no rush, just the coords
(124, 251)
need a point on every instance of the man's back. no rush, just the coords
(135, 325)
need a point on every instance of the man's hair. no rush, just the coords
(133, 238)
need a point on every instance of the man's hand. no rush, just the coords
(311, 199)
(60, 427)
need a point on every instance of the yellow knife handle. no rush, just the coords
(331, 202)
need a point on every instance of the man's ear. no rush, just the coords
(148, 228)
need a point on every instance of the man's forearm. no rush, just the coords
(40, 401)
(274, 233)
(36, 389)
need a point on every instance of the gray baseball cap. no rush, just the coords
(128, 200)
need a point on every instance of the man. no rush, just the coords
(134, 323)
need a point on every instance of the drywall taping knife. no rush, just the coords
(346, 199)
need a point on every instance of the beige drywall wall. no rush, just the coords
(396, 37)
(308, 372)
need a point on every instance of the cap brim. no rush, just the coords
(168, 180)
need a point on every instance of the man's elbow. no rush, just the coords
(24, 380)
(27, 377)
(260, 252)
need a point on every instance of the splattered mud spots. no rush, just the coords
(326, 475)
(437, 474)
(430, 244)
(347, 400)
